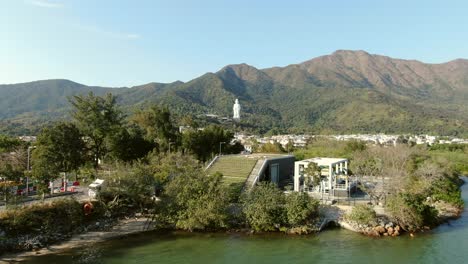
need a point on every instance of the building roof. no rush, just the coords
(325, 161)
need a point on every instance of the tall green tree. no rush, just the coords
(59, 148)
(207, 142)
(158, 126)
(8, 143)
(129, 144)
(97, 118)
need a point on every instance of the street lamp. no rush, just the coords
(220, 144)
(29, 168)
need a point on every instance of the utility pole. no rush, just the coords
(29, 169)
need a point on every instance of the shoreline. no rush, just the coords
(123, 228)
(137, 225)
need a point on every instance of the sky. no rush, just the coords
(116, 43)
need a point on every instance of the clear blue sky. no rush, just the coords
(125, 43)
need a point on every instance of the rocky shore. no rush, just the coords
(104, 229)
(382, 228)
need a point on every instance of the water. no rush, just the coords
(446, 244)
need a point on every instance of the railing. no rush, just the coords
(259, 173)
(341, 186)
(211, 163)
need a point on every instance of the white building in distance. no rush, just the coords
(236, 110)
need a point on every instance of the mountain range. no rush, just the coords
(344, 92)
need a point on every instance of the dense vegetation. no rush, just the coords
(408, 180)
(320, 96)
(151, 167)
(363, 214)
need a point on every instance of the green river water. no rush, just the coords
(446, 244)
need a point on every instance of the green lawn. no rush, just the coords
(235, 170)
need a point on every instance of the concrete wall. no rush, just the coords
(286, 168)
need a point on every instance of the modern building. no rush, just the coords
(333, 177)
(248, 170)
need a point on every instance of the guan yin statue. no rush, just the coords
(236, 110)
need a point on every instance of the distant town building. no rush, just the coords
(236, 110)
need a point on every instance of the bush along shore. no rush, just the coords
(41, 225)
(429, 214)
(384, 226)
(37, 226)
(192, 201)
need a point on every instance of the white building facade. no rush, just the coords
(334, 179)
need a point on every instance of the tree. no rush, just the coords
(290, 146)
(264, 207)
(354, 146)
(130, 186)
(128, 144)
(313, 174)
(59, 148)
(157, 124)
(12, 167)
(383, 170)
(275, 147)
(97, 118)
(167, 166)
(205, 143)
(8, 143)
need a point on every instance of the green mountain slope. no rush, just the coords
(347, 91)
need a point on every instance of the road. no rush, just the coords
(81, 194)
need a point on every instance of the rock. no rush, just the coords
(380, 229)
(390, 230)
(390, 224)
(396, 233)
(397, 228)
(385, 234)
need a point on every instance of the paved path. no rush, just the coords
(81, 194)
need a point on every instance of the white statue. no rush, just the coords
(236, 109)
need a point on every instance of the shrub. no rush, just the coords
(129, 188)
(362, 214)
(448, 191)
(195, 201)
(60, 216)
(264, 207)
(300, 208)
(411, 211)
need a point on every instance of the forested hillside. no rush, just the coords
(345, 92)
